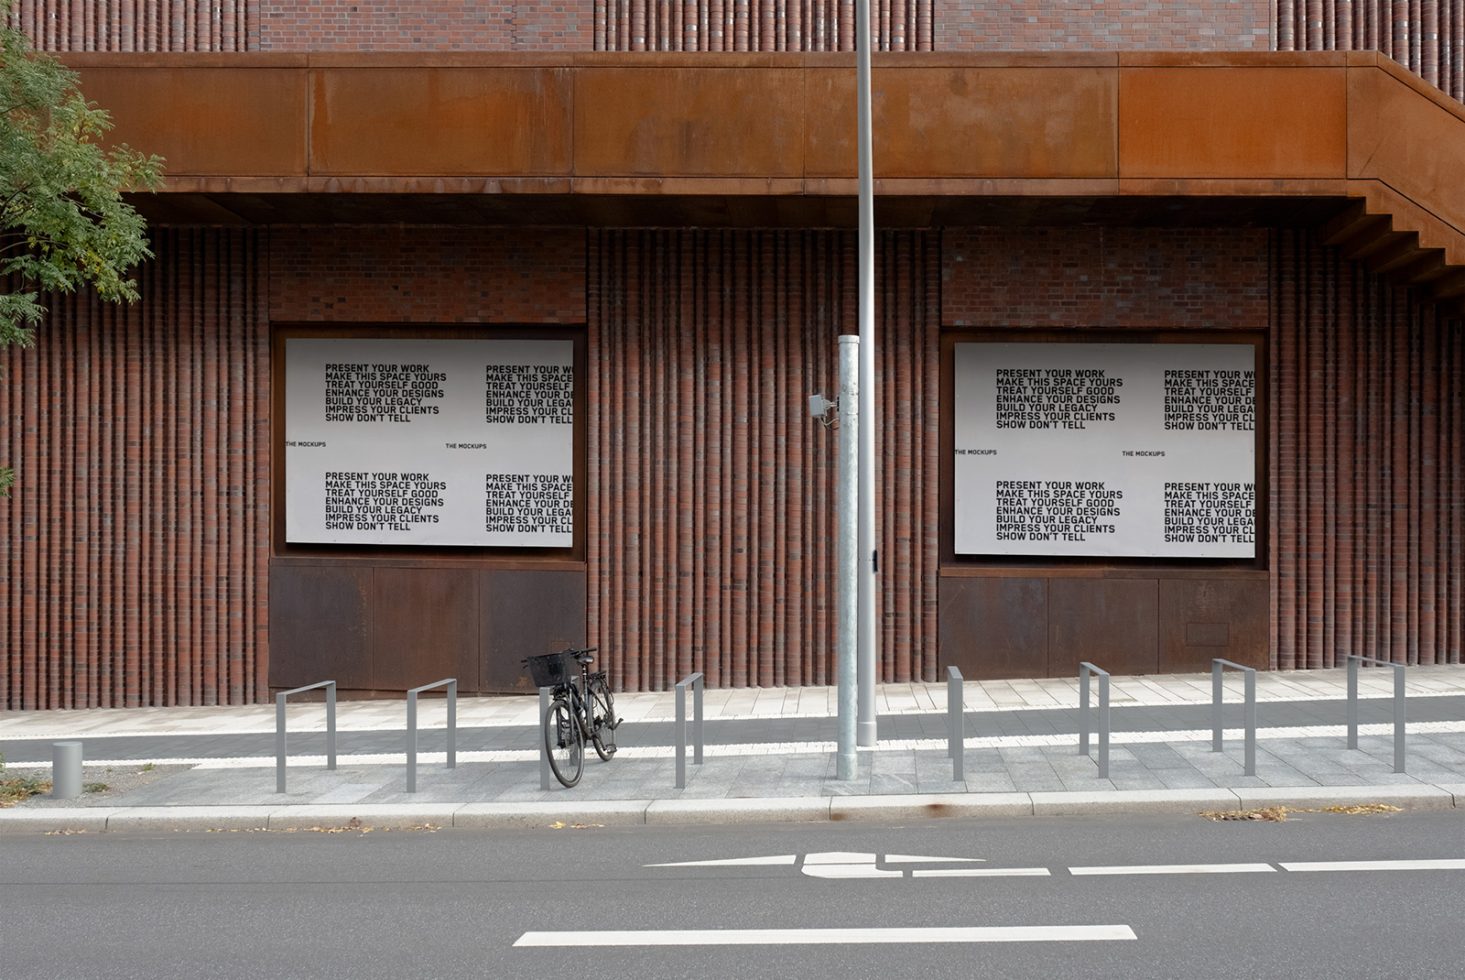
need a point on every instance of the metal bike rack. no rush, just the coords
(544, 693)
(280, 740)
(1217, 667)
(697, 682)
(1399, 713)
(955, 724)
(451, 683)
(1086, 671)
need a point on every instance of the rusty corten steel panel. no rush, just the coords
(1410, 137)
(525, 612)
(954, 122)
(415, 120)
(207, 120)
(1111, 622)
(994, 627)
(690, 122)
(1208, 618)
(318, 628)
(424, 627)
(1233, 122)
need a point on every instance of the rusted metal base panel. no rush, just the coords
(380, 628)
(1201, 619)
(525, 612)
(1027, 623)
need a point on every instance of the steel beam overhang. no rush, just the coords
(1346, 140)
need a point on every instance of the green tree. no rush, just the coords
(63, 222)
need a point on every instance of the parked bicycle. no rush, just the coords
(582, 708)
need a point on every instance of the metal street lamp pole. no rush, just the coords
(868, 559)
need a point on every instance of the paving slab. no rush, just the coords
(143, 818)
(882, 808)
(1133, 801)
(739, 811)
(55, 820)
(604, 813)
(380, 816)
(1418, 796)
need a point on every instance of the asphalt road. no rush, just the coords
(455, 903)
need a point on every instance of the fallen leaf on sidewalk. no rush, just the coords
(1364, 808)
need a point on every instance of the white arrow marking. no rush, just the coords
(1174, 869)
(791, 937)
(730, 862)
(1443, 864)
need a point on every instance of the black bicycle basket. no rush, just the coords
(548, 670)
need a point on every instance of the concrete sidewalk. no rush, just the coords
(770, 756)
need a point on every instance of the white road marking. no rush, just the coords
(795, 937)
(772, 859)
(849, 871)
(980, 873)
(1442, 864)
(919, 858)
(1173, 869)
(839, 857)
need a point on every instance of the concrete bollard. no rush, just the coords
(65, 770)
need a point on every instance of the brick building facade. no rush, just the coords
(143, 560)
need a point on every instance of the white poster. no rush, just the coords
(429, 442)
(1087, 449)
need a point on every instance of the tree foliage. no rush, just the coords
(63, 221)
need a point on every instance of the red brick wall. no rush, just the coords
(1368, 466)
(711, 491)
(1426, 36)
(1086, 276)
(133, 551)
(427, 275)
(1104, 25)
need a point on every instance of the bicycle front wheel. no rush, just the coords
(564, 742)
(603, 720)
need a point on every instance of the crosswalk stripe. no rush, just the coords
(796, 937)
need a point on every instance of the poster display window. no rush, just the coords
(434, 441)
(1142, 450)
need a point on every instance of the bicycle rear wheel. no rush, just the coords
(603, 721)
(564, 742)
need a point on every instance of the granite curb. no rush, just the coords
(592, 813)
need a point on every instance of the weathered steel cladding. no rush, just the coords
(133, 551)
(1368, 466)
(710, 545)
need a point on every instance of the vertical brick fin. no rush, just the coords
(759, 25)
(1368, 451)
(138, 25)
(1425, 36)
(711, 499)
(133, 556)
